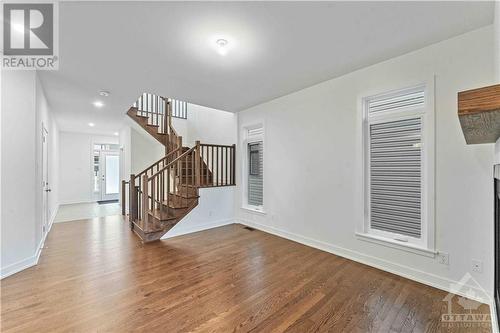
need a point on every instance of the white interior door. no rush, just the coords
(110, 175)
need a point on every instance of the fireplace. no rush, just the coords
(497, 238)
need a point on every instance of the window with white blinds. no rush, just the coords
(254, 168)
(395, 181)
(395, 176)
(255, 174)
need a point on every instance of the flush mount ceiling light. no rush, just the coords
(98, 104)
(91, 124)
(104, 93)
(116, 133)
(222, 46)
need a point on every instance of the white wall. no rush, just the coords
(207, 125)
(216, 205)
(18, 169)
(145, 150)
(24, 108)
(76, 177)
(497, 40)
(313, 163)
(215, 208)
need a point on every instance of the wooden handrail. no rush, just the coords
(170, 154)
(146, 111)
(214, 145)
(171, 163)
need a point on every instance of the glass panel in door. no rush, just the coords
(110, 176)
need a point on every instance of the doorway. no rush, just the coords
(106, 160)
(45, 182)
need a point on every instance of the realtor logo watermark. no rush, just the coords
(30, 36)
(465, 311)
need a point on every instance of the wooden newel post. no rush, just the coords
(169, 116)
(197, 163)
(179, 145)
(124, 183)
(145, 202)
(132, 200)
(233, 165)
(166, 127)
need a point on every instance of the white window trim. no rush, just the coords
(244, 166)
(426, 245)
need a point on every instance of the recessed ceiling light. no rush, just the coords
(116, 133)
(104, 93)
(98, 104)
(222, 46)
(91, 124)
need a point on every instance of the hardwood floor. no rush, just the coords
(96, 276)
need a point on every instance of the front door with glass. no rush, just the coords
(110, 175)
(106, 172)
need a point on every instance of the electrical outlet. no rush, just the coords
(477, 266)
(443, 258)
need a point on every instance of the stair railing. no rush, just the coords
(174, 140)
(135, 184)
(168, 187)
(218, 165)
(154, 108)
(176, 183)
(173, 181)
(159, 112)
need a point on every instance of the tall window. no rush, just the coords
(398, 167)
(253, 172)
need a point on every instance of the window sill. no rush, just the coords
(254, 210)
(396, 245)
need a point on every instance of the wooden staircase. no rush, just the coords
(164, 193)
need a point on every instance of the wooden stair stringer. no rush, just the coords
(152, 130)
(162, 224)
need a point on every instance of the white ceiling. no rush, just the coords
(276, 48)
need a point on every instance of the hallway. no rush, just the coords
(82, 211)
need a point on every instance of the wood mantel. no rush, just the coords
(479, 114)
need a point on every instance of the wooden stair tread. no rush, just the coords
(192, 195)
(176, 205)
(140, 224)
(169, 214)
(162, 215)
(152, 234)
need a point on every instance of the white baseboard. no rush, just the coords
(53, 217)
(33, 260)
(429, 279)
(19, 266)
(200, 227)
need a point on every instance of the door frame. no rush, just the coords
(102, 175)
(45, 181)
